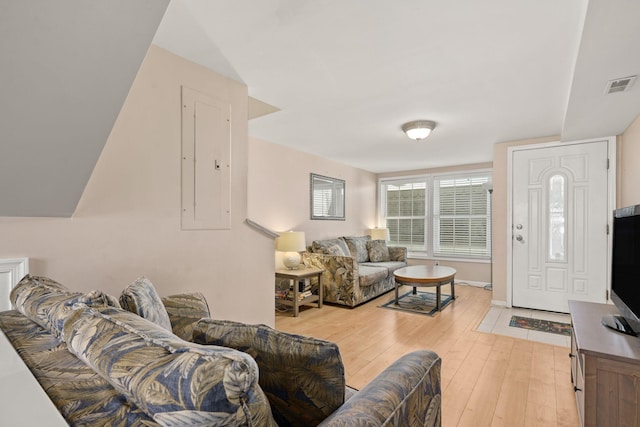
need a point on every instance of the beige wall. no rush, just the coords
(629, 166)
(466, 271)
(127, 223)
(279, 192)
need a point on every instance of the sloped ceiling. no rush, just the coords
(66, 67)
(609, 50)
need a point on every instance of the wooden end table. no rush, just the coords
(424, 275)
(295, 276)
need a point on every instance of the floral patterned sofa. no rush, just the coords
(356, 269)
(142, 360)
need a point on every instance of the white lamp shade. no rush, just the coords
(291, 241)
(380, 234)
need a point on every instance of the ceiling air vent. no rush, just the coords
(620, 85)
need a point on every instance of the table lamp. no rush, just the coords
(291, 242)
(380, 234)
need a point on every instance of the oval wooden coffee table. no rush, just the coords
(424, 275)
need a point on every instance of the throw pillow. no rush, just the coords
(358, 247)
(303, 377)
(334, 250)
(141, 298)
(173, 381)
(30, 285)
(330, 247)
(378, 251)
(48, 303)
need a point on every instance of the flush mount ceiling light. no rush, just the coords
(418, 129)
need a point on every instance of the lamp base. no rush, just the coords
(291, 260)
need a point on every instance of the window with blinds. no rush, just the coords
(406, 213)
(439, 215)
(461, 216)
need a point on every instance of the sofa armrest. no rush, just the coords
(331, 262)
(407, 393)
(184, 310)
(303, 377)
(340, 277)
(398, 253)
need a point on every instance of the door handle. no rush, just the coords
(519, 238)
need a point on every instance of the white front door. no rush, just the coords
(559, 229)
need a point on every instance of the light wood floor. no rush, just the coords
(487, 380)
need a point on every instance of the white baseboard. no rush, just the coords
(498, 303)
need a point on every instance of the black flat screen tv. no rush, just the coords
(625, 271)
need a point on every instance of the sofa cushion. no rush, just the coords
(378, 251)
(369, 275)
(303, 377)
(391, 266)
(141, 298)
(330, 247)
(173, 381)
(358, 247)
(397, 253)
(48, 303)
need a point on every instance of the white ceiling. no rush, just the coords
(346, 74)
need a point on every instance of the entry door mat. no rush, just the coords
(541, 325)
(421, 303)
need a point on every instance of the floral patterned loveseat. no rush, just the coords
(356, 269)
(142, 360)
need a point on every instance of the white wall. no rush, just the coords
(127, 223)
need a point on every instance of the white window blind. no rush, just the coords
(462, 215)
(405, 213)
